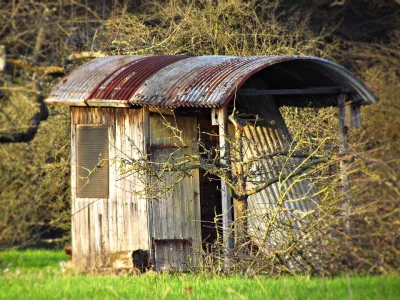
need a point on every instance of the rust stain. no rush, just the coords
(82, 81)
(124, 82)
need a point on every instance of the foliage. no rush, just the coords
(34, 191)
(376, 185)
(216, 28)
(35, 185)
(374, 243)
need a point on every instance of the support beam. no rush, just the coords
(220, 118)
(352, 113)
(2, 58)
(149, 204)
(343, 151)
(308, 91)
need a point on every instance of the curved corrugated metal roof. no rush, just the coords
(205, 81)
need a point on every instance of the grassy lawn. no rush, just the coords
(36, 274)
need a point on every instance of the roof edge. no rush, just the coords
(366, 94)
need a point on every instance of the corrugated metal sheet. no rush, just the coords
(124, 82)
(206, 81)
(77, 87)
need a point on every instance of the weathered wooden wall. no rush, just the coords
(119, 222)
(175, 217)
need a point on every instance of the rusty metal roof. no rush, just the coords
(205, 81)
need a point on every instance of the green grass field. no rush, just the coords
(36, 274)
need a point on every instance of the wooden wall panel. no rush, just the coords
(118, 223)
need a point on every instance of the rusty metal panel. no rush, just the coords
(206, 81)
(124, 82)
(92, 161)
(77, 86)
(166, 88)
(211, 81)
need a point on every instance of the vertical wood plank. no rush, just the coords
(144, 137)
(197, 241)
(76, 245)
(128, 119)
(225, 196)
(98, 232)
(140, 136)
(85, 238)
(120, 145)
(103, 232)
(95, 231)
(79, 231)
(115, 184)
(90, 228)
(131, 215)
(112, 224)
(352, 114)
(109, 227)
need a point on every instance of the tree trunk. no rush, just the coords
(240, 208)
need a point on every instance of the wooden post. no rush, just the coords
(2, 58)
(343, 151)
(75, 209)
(220, 118)
(145, 151)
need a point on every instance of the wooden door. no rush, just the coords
(175, 228)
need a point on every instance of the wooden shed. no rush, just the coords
(115, 104)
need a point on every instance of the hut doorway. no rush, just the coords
(210, 188)
(175, 229)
